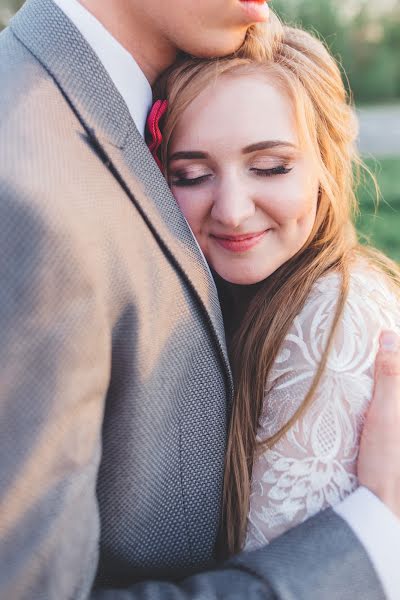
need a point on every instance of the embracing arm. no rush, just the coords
(318, 560)
(373, 512)
(53, 373)
(53, 378)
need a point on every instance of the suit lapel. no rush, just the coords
(52, 38)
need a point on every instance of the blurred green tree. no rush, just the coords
(7, 9)
(364, 40)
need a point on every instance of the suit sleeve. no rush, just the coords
(54, 357)
(320, 559)
(54, 361)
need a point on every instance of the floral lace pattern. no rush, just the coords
(314, 465)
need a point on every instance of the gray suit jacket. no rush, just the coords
(115, 383)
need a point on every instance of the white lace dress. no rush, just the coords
(314, 465)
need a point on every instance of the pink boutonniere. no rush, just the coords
(153, 130)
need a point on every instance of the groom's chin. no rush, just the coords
(223, 45)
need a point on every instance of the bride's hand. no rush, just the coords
(379, 459)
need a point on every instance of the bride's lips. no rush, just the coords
(239, 243)
(257, 11)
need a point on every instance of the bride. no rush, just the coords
(259, 151)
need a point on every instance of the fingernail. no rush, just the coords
(389, 341)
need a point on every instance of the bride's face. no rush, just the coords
(240, 176)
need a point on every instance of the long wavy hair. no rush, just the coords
(302, 66)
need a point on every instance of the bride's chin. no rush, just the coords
(239, 278)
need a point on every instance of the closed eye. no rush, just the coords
(180, 181)
(279, 170)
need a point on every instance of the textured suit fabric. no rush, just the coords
(114, 380)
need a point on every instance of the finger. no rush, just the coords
(387, 362)
(385, 405)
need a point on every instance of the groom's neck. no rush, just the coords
(152, 52)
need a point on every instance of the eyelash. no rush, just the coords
(187, 182)
(281, 170)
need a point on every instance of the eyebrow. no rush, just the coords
(188, 154)
(198, 154)
(267, 145)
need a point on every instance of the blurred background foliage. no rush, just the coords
(7, 9)
(379, 224)
(365, 37)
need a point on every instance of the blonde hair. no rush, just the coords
(300, 64)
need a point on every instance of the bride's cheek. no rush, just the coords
(298, 206)
(195, 213)
(183, 201)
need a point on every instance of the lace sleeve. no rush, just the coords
(314, 465)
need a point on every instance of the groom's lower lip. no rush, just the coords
(256, 11)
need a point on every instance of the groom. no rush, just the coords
(115, 384)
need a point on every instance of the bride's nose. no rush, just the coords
(232, 202)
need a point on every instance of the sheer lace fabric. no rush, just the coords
(314, 465)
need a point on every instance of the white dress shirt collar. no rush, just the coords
(124, 71)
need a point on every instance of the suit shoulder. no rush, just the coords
(37, 123)
(20, 74)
